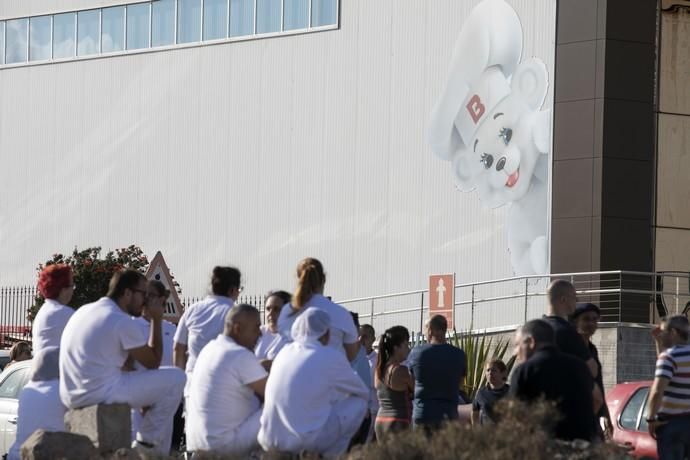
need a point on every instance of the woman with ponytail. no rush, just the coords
(311, 280)
(394, 383)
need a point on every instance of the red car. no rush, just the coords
(627, 404)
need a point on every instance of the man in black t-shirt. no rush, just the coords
(556, 376)
(562, 302)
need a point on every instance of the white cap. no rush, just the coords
(311, 325)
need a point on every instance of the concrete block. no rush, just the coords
(108, 426)
(47, 445)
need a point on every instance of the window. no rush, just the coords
(188, 21)
(88, 29)
(241, 17)
(16, 46)
(163, 23)
(40, 48)
(64, 26)
(631, 411)
(324, 12)
(215, 19)
(295, 14)
(2, 42)
(268, 16)
(138, 26)
(113, 33)
(13, 384)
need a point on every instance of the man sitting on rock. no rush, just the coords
(228, 380)
(96, 343)
(314, 400)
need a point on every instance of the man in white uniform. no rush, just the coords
(314, 400)
(95, 345)
(56, 285)
(224, 410)
(40, 407)
(271, 342)
(203, 321)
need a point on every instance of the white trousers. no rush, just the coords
(241, 441)
(161, 391)
(345, 419)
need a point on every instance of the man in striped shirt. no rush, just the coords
(669, 398)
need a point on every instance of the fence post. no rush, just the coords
(421, 313)
(472, 310)
(371, 313)
(526, 296)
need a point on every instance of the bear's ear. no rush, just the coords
(530, 82)
(465, 169)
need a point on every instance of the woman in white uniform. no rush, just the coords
(314, 401)
(309, 293)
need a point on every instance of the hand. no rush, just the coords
(155, 309)
(656, 333)
(653, 427)
(608, 428)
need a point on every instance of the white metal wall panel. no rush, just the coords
(255, 153)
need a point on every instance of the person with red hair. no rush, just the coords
(56, 285)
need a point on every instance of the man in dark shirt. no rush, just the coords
(562, 302)
(439, 370)
(556, 376)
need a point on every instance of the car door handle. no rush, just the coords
(12, 420)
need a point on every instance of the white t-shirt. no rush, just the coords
(343, 328)
(94, 346)
(306, 380)
(269, 344)
(219, 398)
(49, 324)
(201, 323)
(39, 408)
(167, 332)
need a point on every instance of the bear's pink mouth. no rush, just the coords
(513, 178)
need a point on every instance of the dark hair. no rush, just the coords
(19, 348)
(558, 289)
(53, 279)
(540, 331)
(285, 296)
(500, 365)
(310, 278)
(160, 288)
(367, 329)
(224, 279)
(390, 339)
(355, 318)
(123, 279)
(439, 323)
(584, 308)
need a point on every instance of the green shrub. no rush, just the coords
(92, 272)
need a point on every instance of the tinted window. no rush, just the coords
(323, 12)
(2, 42)
(39, 38)
(138, 26)
(13, 384)
(63, 35)
(163, 23)
(113, 34)
(631, 410)
(296, 14)
(241, 17)
(17, 31)
(268, 16)
(188, 21)
(88, 32)
(215, 19)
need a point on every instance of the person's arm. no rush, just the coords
(259, 387)
(593, 368)
(351, 350)
(597, 398)
(180, 357)
(654, 404)
(401, 380)
(151, 354)
(180, 343)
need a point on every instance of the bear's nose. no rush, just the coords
(501, 164)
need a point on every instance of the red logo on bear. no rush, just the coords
(475, 108)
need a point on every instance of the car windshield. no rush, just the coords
(13, 383)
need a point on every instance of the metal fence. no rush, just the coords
(623, 296)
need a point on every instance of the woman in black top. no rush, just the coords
(586, 320)
(496, 374)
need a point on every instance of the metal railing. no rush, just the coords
(623, 296)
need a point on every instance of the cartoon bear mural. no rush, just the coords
(488, 122)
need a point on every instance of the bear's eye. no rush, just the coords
(506, 134)
(487, 160)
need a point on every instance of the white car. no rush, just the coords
(12, 381)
